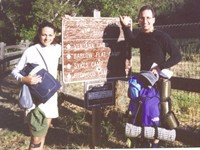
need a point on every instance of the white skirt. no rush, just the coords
(50, 108)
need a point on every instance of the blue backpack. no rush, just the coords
(145, 98)
(134, 87)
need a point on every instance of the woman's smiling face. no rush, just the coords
(47, 36)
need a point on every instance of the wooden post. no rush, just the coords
(96, 13)
(96, 126)
(96, 112)
(27, 43)
(2, 49)
(2, 53)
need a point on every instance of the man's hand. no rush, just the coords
(126, 21)
(156, 70)
(66, 17)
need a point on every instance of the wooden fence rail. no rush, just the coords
(179, 83)
(8, 59)
(9, 54)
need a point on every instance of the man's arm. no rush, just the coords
(173, 51)
(126, 23)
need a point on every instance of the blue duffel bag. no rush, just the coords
(44, 90)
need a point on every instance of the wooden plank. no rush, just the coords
(13, 53)
(187, 136)
(186, 84)
(73, 100)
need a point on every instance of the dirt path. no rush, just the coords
(12, 129)
(14, 133)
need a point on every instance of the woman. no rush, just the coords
(45, 43)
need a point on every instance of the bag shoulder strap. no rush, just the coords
(42, 59)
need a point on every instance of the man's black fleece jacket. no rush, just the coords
(155, 46)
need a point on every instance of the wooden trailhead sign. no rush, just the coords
(93, 49)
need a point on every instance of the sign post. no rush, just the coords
(94, 49)
(96, 126)
(98, 94)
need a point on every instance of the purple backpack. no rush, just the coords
(145, 98)
(150, 98)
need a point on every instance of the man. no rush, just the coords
(154, 45)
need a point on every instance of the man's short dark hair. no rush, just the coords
(147, 7)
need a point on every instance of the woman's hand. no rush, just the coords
(31, 79)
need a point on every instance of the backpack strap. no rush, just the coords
(156, 130)
(142, 132)
(42, 59)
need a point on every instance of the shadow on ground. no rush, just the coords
(68, 132)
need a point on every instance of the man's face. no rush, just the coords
(146, 21)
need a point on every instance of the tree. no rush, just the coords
(19, 18)
(23, 16)
(188, 13)
(9, 12)
(110, 8)
(177, 11)
(114, 8)
(50, 10)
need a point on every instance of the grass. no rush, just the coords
(184, 105)
(73, 129)
(13, 140)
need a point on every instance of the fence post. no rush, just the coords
(2, 54)
(27, 43)
(2, 49)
